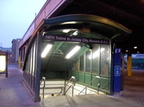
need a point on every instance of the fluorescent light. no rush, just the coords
(75, 33)
(72, 52)
(70, 22)
(66, 30)
(46, 50)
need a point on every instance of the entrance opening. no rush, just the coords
(85, 71)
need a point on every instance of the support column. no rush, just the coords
(38, 68)
(129, 64)
(117, 70)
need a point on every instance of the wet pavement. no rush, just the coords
(14, 94)
(134, 87)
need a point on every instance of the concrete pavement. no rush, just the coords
(14, 94)
(12, 91)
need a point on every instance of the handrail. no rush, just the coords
(73, 80)
(85, 88)
(44, 80)
(99, 83)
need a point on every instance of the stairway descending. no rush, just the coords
(51, 88)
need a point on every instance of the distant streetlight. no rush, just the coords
(135, 47)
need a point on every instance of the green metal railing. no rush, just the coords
(72, 80)
(98, 85)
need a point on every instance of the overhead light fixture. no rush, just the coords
(75, 33)
(72, 52)
(66, 30)
(70, 22)
(43, 33)
(46, 50)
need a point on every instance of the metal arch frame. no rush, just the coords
(87, 18)
(82, 18)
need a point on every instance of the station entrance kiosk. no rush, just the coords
(78, 45)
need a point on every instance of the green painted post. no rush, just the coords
(85, 62)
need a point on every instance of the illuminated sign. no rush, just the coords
(76, 39)
(2, 63)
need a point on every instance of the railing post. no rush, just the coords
(99, 79)
(73, 84)
(44, 79)
(64, 91)
(72, 90)
(85, 90)
(73, 80)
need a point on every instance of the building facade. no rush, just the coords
(15, 52)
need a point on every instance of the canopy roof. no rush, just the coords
(75, 26)
(90, 26)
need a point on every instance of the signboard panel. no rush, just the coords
(117, 58)
(117, 70)
(75, 39)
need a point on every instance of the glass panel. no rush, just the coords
(31, 60)
(104, 59)
(75, 66)
(88, 58)
(28, 63)
(82, 63)
(96, 59)
(34, 56)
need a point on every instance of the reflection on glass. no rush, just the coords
(105, 60)
(96, 53)
(96, 59)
